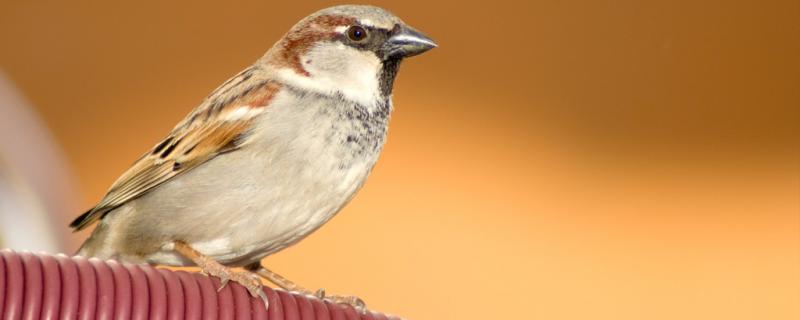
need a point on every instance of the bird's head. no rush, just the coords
(350, 50)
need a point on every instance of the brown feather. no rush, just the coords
(194, 141)
(301, 38)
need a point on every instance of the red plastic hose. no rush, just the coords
(39, 286)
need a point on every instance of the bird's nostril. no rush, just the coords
(396, 29)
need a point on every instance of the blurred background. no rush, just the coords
(550, 160)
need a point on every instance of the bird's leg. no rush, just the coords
(288, 285)
(214, 268)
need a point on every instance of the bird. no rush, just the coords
(267, 158)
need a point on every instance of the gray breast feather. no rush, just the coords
(301, 168)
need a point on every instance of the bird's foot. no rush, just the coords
(247, 279)
(290, 286)
(354, 301)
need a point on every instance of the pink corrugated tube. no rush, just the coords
(39, 286)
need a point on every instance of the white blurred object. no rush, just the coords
(35, 190)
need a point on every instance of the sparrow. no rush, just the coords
(267, 158)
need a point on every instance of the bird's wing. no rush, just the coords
(219, 125)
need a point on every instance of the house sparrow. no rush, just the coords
(270, 156)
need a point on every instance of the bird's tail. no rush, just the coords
(80, 222)
(88, 218)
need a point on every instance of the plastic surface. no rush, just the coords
(34, 286)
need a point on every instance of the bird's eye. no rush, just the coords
(356, 33)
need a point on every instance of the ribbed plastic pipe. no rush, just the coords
(39, 286)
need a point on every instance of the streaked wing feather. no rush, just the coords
(219, 125)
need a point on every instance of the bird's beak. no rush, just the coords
(405, 41)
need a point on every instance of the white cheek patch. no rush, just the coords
(336, 68)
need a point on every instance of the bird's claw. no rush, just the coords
(253, 285)
(223, 281)
(213, 268)
(250, 281)
(353, 301)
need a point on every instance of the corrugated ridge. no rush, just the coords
(34, 286)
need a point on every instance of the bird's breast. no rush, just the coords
(303, 161)
(325, 139)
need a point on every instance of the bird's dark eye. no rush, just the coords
(356, 33)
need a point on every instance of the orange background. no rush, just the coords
(550, 160)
